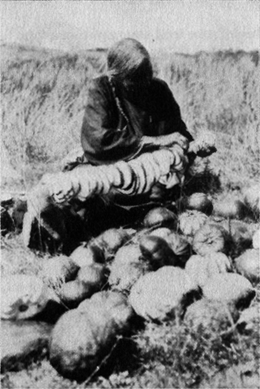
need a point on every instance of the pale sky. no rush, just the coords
(174, 25)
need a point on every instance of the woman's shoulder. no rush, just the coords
(160, 86)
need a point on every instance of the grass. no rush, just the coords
(43, 95)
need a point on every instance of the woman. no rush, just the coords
(128, 109)
(128, 113)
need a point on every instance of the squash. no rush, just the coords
(162, 232)
(240, 236)
(79, 343)
(22, 296)
(180, 246)
(248, 264)
(199, 202)
(87, 255)
(59, 269)
(159, 295)
(200, 269)
(83, 338)
(210, 315)
(113, 303)
(71, 293)
(249, 319)
(92, 276)
(256, 239)
(191, 221)
(127, 267)
(112, 239)
(209, 238)
(229, 288)
(159, 216)
(251, 196)
(157, 251)
(230, 208)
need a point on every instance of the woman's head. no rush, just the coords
(129, 61)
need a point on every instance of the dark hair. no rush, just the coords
(129, 59)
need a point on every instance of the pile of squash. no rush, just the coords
(197, 260)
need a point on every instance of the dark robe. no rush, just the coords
(112, 131)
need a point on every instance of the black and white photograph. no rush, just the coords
(130, 194)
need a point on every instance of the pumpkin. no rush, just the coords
(159, 216)
(191, 221)
(229, 288)
(71, 293)
(180, 246)
(157, 251)
(59, 269)
(248, 264)
(249, 319)
(256, 239)
(230, 208)
(92, 276)
(159, 295)
(127, 267)
(79, 342)
(210, 315)
(162, 232)
(22, 296)
(87, 255)
(199, 202)
(113, 303)
(112, 239)
(251, 197)
(200, 269)
(82, 338)
(209, 238)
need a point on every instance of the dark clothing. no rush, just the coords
(112, 131)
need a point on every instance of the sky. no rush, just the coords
(173, 25)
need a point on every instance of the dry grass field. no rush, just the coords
(43, 94)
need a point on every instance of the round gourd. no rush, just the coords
(157, 251)
(127, 267)
(208, 314)
(162, 232)
(79, 342)
(229, 288)
(22, 296)
(73, 292)
(240, 236)
(252, 198)
(191, 221)
(159, 216)
(249, 319)
(230, 208)
(116, 306)
(199, 202)
(112, 239)
(158, 295)
(180, 246)
(58, 270)
(87, 255)
(256, 240)
(92, 276)
(248, 264)
(210, 238)
(200, 269)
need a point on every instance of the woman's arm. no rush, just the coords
(105, 135)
